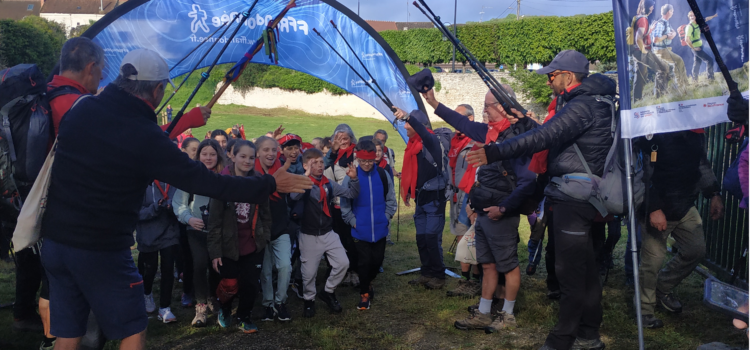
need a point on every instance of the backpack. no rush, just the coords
(383, 178)
(630, 32)
(682, 35)
(26, 126)
(664, 43)
(608, 193)
(732, 176)
(444, 179)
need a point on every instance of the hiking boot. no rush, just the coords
(309, 310)
(281, 313)
(463, 289)
(502, 321)
(435, 283)
(150, 304)
(298, 289)
(200, 315)
(354, 279)
(497, 306)
(554, 294)
(475, 289)
(650, 321)
(270, 314)
(331, 301)
(213, 306)
(530, 269)
(476, 320)
(583, 344)
(420, 281)
(669, 302)
(364, 302)
(29, 324)
(166, 315)
(246, 325)
(225, 318)
(186, 300)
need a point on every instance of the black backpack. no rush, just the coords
(444, 179)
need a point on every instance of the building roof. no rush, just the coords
(380, 26)
(18, 9)
(414, 25)
(79, 6)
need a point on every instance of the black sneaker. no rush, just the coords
(298, 289)
(650, 321)
(669, 302)
(331, 301)
(583, 344)
(309, 309)
(531, 269)
(270, 314)
(282, 313)
(554, 294)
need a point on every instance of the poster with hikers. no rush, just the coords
(669, 78)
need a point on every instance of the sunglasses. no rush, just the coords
(551, 76)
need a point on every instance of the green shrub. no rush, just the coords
(533, 85)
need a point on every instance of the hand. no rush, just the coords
(429, 96)
(477, 158)
(717, 208)
(469, 211)
(671, 35)
(354, 225)
(336, 143)
(216, 263)
(398, 175)
(352, 171)
(658, 220)
(473, 218)
(278, 131)
(289, 183)
(309, 167)
(196, 224)
(399, 113)
(517, 115)
(494, 213)
(407, 200)
(206, 112)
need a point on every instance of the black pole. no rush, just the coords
(206, 74)
(202, 42)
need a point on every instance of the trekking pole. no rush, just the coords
(733, 89)
(196, 63)
(398, 211)
(633, 238)
(268, 35)
(206, 74)
(383, 98)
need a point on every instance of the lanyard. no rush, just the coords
(164, 194)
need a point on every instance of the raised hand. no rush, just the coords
(399, 113)
(290, 183)
(278, 132)
(336, 142)
(429, 97)
(352, 171)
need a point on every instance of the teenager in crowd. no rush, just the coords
(382, 136)
(237, 236)
(290, 148)
(221, 137)
(158, 237)
(381, 161)
(184, 258)
(191, 210)
(325, 145)
(317, 238)
(337, 163)
(278, 253)
(369, 216)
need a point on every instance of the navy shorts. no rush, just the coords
(105, 282)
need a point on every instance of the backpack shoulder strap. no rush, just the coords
(384, 179)
(62, 90)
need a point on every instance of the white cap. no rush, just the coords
(149, 64)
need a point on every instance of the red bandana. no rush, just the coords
(345, 151)
(410, 167)
(458, 142)
(276, 166)
(164, 193)
(539, 159)
(323, 198)
(366, 155)
(383, 162)
(495, 128)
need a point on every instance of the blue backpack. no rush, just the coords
(732, 176)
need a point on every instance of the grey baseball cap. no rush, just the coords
(569, 60)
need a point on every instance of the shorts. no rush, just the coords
(105, 282)
(497, 242)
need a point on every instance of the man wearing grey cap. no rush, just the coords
(95, 194)
(579, 132)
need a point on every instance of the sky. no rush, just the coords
(469, 10)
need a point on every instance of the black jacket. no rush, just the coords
(582, 120)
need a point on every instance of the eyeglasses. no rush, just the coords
(551, 76)
(491, 104)
(366, 161)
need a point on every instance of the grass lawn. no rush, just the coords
(402, 316)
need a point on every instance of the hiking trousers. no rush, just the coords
(688, 233)
(429, 221)
(312, 248)
(699, 58)
(678, 65)
(371, 256)
(577, 272)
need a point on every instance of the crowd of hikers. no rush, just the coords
(234, 215)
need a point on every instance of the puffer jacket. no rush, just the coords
(581, 120)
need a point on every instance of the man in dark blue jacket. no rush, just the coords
(496, 197)
(580, 129)
(95, 195)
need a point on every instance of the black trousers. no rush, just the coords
(246, 270)
(184, 261)
(549, 255)
(202, 286)
(345, 234)
(371, 256)
(29, 272)
(577, 271)
(148, 264)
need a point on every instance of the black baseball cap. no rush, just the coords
(569, 60)
(422, 81)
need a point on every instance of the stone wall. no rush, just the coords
(455, 89)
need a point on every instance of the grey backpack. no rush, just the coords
(444, 179)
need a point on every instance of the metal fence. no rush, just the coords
(727, 238)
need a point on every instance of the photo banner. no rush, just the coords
(668, 77)
(175, 27)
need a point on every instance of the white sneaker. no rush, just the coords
(166, 315)
(150, 305)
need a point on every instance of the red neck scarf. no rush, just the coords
(164, 193)
(345, 151)
(539, 160)
(410, 167)
(323, 198)
(495, 128)
(276, 166)
(458, 142)
(383, 162)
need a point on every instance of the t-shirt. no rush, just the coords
(693, 34)
(245, 229)
(642, 23)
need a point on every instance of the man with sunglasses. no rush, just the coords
(579, 129)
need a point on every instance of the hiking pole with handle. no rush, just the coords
(733, 89)
(234, 73)
(187, 76)
(383, 98)
(502, 96)
(206, 74)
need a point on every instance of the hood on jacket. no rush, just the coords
(595, 84)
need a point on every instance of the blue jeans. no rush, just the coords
(278, 254)
(429, 220)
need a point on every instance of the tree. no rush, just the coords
(55, 31)
(22, 42)
(78, 31)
